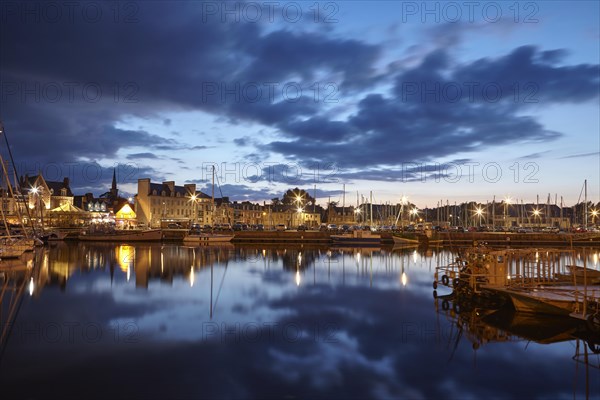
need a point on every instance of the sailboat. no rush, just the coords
(13, 246)
(203, 238)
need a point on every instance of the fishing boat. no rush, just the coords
(149, 235)
(404, 240)
(15, 246)
(195, 239)
(357, 237)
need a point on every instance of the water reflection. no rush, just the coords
(268, 321)
(482, 326)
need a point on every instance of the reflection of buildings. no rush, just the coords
(164, 263)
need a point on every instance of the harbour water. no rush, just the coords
(104, 320)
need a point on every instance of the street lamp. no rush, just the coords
(356, 215)
(193, 199)
(507, 201)
(299, 210)
(479, 213)
(536, 214)
(414, 212)
(594, 215)
(36, 192)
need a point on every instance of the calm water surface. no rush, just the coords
(168, 321)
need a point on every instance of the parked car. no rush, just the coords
(550, 229)
(302, 228)
(281, 227)
(174, 225)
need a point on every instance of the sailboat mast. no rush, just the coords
(344, 203)
(212, 198)
(371, 205)
(585, 205)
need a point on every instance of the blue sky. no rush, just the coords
(432, 100)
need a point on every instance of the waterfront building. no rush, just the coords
(341, 215)
(290, 216)
(247, 213)
(161, 204)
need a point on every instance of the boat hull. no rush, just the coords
(202, 239)
(555, 301)
(401, 240)
(15, 247)
(356, 241)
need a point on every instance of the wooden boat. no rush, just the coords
(15, 246)
(150, 235)
(553, 300)
(195, 239)
(364, 238)
(404, 240)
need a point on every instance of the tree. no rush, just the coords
(299, 197)
(275, 201)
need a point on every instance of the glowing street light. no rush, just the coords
(479, 213)
(356, 214)
(414, 212)
(507, 202)
(299, 210)
(594, 215)
(193, 199)
(536, 213)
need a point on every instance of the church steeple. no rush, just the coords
(113, 189)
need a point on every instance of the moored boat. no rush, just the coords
(196, 239)
(364, 238)
(150, 235)
(555, 300)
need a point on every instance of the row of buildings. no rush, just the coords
(167, 204)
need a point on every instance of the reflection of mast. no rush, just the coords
(16, 281)
(211, 290)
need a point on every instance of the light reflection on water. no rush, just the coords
(273, 321)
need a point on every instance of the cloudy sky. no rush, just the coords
(433, 101)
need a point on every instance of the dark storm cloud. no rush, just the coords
(282, 54)
(172, 58)
(67, 83)
(438, 109)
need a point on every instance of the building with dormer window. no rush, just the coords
(160, 204)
